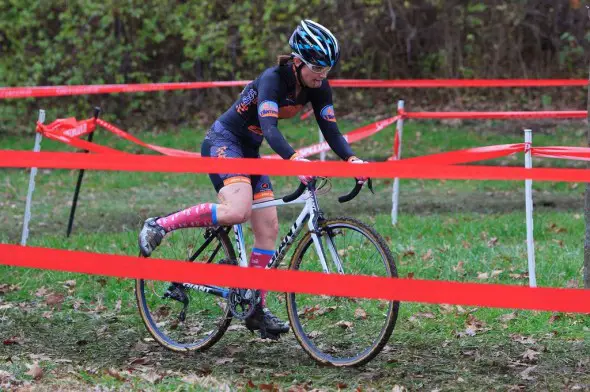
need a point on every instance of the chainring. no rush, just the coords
(242, 302)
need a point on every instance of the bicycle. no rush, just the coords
(338, 331)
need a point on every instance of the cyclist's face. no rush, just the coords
(310, 78)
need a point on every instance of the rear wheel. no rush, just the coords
(186, 319)
(343, 331)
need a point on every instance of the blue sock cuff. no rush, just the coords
(263, 251)
(214, 214)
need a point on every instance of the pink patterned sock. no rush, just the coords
(259, 259)
(196, 216)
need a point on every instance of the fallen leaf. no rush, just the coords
(474, 323)
(427, 315)
(115, 374)
(496, 273)
(41, 291)
(399, 388)
(558, 242)
(459, 267)
(523, 275)
(77, 303)
(151, 377)
(572, 284)
(522, 339)
(138, 361)
(492, 242)
(233, 349)
(54, 299)
(35, 371)
(530, 355)
(446, 308)
(7, 288)
(344, 324)
(324, 310)
(236, 327)
(5, 377)
(466, 245)
(282, 374)
(40, 357)
(525, 374)
(268, 387)
(70, 284)
(482, 275)
(223, 361)
(507, 317)
(409, 252)
(428, 255)
(341, 385)
(556, 229)
(469, 331)
(360, 314)
(554, 317)
(13, 340)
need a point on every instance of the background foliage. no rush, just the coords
(63, 42)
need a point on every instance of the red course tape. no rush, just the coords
(475, 294)
(495, 115)
(390, 169)
(53, 91)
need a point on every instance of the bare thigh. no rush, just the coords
(235, 204)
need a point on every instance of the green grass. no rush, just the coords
(448, 230)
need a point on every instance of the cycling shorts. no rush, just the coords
(222, 143)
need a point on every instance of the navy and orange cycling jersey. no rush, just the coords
(271, 96)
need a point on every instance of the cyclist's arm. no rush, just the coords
(268, 114)
(321, 101)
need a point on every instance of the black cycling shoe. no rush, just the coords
(150, 236)
(270, 326)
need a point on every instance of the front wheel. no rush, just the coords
(343, 331)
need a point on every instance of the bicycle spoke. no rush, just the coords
(179, 317)
(339, 330)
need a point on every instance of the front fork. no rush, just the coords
(316, 235)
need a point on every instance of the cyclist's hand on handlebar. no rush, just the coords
(359, 180)
(305, 179)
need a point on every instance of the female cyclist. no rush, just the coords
(279, 92)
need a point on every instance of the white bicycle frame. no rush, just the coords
(310, 212)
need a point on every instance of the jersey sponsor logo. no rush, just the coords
(268, 109)
(221, 152)
(327, 113)
(248, 98)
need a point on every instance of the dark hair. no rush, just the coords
(283, 59)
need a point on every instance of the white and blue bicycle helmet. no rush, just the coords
(315, 44)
